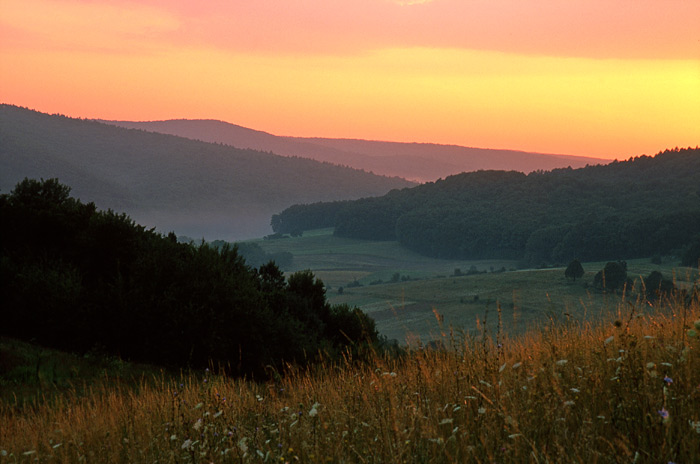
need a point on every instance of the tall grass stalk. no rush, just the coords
(625, 391)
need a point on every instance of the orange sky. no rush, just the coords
(585, 77)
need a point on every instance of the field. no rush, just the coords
(620, 392)
(428, 300)
(538, 369)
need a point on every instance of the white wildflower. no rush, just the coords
(481, 411)
(173, 437)
(186, 444)
(243, 445)
(569, 403)
(575, 390)
(313, 412)
(695, 426)
(562, 362)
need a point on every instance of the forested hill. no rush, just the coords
(636, 208)
(76, 278)
(175, 184)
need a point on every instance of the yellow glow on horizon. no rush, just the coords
(605, 108)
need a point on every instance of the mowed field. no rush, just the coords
(430, 303)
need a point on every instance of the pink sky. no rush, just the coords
(598, 78)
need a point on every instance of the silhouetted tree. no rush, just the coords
(612, 277)
(574, 270)
(656, 286)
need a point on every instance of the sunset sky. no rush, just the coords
(602, 78)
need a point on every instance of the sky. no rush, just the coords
(602, 78)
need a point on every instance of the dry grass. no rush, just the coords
(623, 391)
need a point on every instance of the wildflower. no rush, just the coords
(314, 410)
(218, 414)
(173, 437)
(575, 390)
(664, 414)
(668, 380)
(197, 425)
(481, 411)
(695, 426)
(569, 403)
(186, 444)
(651, 365)
(243, 445)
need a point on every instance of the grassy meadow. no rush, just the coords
(535, 369)
(432, 298)
(627, 390)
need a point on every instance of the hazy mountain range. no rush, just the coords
(421, 162)
(172, 183)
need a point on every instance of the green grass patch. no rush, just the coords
(433, 301)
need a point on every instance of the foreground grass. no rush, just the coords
(623, 391)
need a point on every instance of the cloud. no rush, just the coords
(411, 2)
(574, 28)
(87, 26)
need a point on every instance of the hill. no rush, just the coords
(172, 183)
(422, 162)
(77, 278)
(636, 208)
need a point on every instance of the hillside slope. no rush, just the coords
(172, 183)
(422, 162)
(635, 208)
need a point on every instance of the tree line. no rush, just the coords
(635, 208)
(77, 278)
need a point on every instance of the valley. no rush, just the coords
(429, 299)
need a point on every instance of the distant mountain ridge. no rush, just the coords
(172, 183)
(422, 162)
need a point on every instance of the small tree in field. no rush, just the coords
(574, 270)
